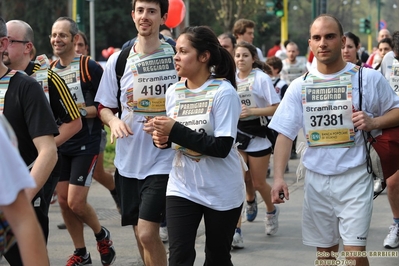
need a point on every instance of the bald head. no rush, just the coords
(23, 27)
(324, 18)
(382, 34)
(18, 53)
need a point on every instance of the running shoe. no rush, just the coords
(271, 222)
(392, 239)
(76, 260)
(252, 210)
(238, 241)
(106, 249)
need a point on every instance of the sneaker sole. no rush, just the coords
(113, 260)
(237, 246)
(391, 247)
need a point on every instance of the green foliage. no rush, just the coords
(109, 153)
(40, 14)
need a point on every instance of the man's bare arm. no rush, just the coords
(44, 164)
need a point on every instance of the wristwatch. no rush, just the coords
(83, 112)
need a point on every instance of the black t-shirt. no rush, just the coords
(62, 104)
(87, 140)
(28, 111)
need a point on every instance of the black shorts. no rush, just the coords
(259, 153)
(78, 170)
(144, 199)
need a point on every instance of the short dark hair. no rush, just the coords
(84, 37)
(73, 28)
(241, 25)
(275, 62)
(163, 4)
(228, 36)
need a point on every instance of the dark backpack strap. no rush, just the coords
(119, 69)
(84, 69)
(52, 64)
(275, 83)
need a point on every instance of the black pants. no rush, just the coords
(13, 256)
(183, 218)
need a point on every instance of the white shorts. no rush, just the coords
(337, 206)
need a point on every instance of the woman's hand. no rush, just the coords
(245, 111)
(160, 140)
(163, 125)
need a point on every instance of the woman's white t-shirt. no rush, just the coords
(264, 95)
(216, 183)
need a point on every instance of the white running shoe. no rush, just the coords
(392, 239)
(238, 241)
(163, 233)
(271, 222)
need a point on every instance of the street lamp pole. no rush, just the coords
(92, 31)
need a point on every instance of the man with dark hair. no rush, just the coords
(79, 154)
(338, 198)
(24, 104)
(228, 42)
(142, 169)
(243, 30)
(82, 45)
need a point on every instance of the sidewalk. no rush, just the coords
(283, 249)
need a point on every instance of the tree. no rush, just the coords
(227, 12)
(39, 14)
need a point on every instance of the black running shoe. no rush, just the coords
(106, 249)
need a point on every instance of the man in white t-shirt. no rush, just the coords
(338, 196)
(292, 68)
(243, 31)
(142, 169)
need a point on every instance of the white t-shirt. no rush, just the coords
(135, 155)
(264, 95)
(280, 84)
(292, 71)
(216, 183)
(386, 64)
(14, 175)
(260, 54)
(378, 98)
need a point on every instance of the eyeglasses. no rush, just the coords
(60, 35)
(17, 41)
